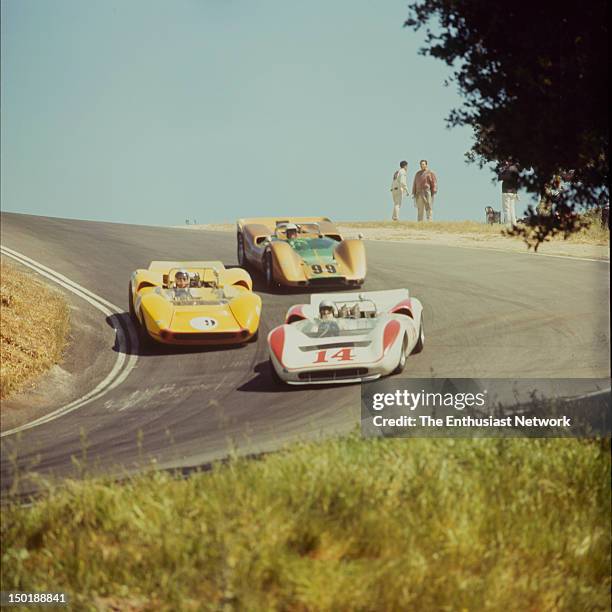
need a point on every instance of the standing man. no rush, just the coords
(399, 188)
(424, 188)
(509, 176)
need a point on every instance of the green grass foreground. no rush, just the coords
(346, 524)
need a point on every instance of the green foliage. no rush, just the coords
(342, 525)
(535, 87)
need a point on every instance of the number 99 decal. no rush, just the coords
(317, 269)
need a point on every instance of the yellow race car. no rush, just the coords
(194, 302)
(300, 252)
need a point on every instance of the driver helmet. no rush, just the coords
(327, 309)
(291, 230)
(181, 279)
(343, 311)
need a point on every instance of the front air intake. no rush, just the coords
(332, 375)
(212, 336)
(326, 282)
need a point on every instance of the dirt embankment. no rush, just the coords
(53, 347)
(34, 332)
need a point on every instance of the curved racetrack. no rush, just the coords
(488, 314)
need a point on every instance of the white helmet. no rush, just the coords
(327, 305)
(291, 227)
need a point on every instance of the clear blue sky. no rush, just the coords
(155, 111)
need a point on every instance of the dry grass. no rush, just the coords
(35, 323)
(594, 234)
(441, 227)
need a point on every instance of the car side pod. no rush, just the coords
(276, 342)
(287, 265)
(295, 313)
(351, 253)
(392, 329)
(238, 277)
(247, 311)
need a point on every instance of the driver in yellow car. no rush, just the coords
(181, 285)
(181, 279)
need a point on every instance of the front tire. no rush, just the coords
(403, 357)
(269, 271)
(240, 254)
(418, 347)
(143, 334)
(131, 309)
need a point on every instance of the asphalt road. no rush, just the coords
(488, 314)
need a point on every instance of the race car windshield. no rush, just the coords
(189, 297)
(313, 243)
(318, 328)
(309, 228)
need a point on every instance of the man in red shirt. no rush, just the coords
(424, 188)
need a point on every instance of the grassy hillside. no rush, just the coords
(35, 324)
(594, 233)
(345, 524)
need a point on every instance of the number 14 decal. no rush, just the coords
(345, 354)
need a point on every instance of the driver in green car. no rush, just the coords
(291, 232)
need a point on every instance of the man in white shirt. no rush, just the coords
(399, 188)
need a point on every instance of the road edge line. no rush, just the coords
(124, 363)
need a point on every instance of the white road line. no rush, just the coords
(123, 365)
(63, 278)
(601, 392)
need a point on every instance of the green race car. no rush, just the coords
(300, 252)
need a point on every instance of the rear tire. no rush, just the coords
(240, 254)
(418, 347)
(403, 357)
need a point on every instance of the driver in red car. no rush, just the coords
(328, 326)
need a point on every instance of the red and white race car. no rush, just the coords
(346, 337)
